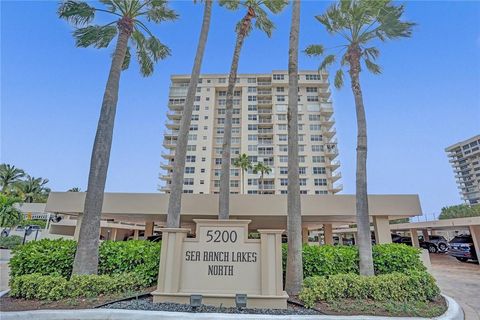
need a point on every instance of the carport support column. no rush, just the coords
(77, 226)
(414, 235)
(305, 235)
(135, 234)
(149, 228)
(113, 235)
(328, 233)
(381, 226)
(426, 237)
(475, 232)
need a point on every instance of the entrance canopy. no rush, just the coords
(265, 211)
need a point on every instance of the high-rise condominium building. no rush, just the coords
(465, 159)
(259, 130)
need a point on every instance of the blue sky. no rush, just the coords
(427, 98)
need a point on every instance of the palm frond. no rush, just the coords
(157, 11)
(230, 4)
(148, 51)
(275, 6)
(314, 50)
(157, 49)
(263, 23)
(371, 53)
(327, 61)
(372, 67)
(97, 36)
(338, 82)
(76, 12)
(126, 60)
(110, 5)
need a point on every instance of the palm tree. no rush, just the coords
(359, 23)
(242, 162)
(33, 189)
(294, 273)
(9, 177)
(255, 11)
(263, 169)
(129, 27)
(175, 200)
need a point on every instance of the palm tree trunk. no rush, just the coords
(86, 257)
(242, 181)
(224, 196)
(363, 222)
(261, 181)
(294, 276)
(175, 200)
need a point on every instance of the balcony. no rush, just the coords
(264, 92)
(171, 134)
(166, 166)
(332, 153)
(335, 189)
(264, 102)
(334, 176)
(170, 155)
(329, 134)
(326, 109)
(335, 164)
(264, 111)
(265, 142)
(265, 121)
(327, 122)
(264, 83)
(165, 189)
(170, 144)
(174, 115)
(175, 124)
(262, 131)
(165, 177)
(325, 94)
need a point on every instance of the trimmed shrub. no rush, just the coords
(401, 287)
(55, 257)
(330, 260)
(46, 257)
(10, 242)
(37, 286)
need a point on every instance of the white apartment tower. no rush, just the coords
(259, 130)
(465, 159)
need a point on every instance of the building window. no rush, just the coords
(317, 148)
(283, 170)
(252, 147)
(302, 181)
(314, 117)
(312, 77)
(252, 98)
(318, 159)
(252, 89)
(320, 182)
(315, 127)
(252, 117)
(280, 89)
(312, 89)
(194, 117)
(252, 137)
(218, 161)
(252, 127)
(281, 107)
(283, 148)
(283, 159)
(281, 117)
(282, 127)
(192, 137)
(278, 77)
(282, 137)
(189, 169)
(191, 147)
(312, 98)
(284, 182)
(319, 170)
(321, 192)
(222, 93)
(302, 170)
(234, 183)
(188, 182)
(202, 170)
(316, 137)
(252, 80)
(222, 80)
(190, 158)
(194, 127)
(252, 107)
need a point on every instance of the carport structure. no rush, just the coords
(471, 223)
(264, 211)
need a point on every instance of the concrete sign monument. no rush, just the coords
(220, 263)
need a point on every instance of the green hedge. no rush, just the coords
(55, 257)
(55, 287)
(10, 242)
(329, 260)
(402, 287)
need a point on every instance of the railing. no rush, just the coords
(264, 83)
(265, 131)
(264, 111)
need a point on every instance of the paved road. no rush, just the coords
(459, 280)
(4, 270)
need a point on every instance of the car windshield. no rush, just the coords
(461, 240)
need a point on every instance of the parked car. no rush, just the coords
(462, 248)
(431, 247)
(439, 241)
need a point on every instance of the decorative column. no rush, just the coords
(171, 259)
(149, 228)
(271, 262)
(135, 234)
(414, 235)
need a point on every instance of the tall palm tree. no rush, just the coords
(263, 169)
(9, 177)
(128, 27)
(33, 189)
(294, 274)
(242, 162)
(359, 23)
(175, 200)
(255, 11)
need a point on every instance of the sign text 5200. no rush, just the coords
(222, 236)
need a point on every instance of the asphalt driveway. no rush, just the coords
(459, 280)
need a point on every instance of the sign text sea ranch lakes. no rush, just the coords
(221, 256)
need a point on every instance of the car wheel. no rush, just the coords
(432, 249)
(442, 247)
(462, 259)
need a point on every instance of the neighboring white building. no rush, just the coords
(465, 159)
(259, 130)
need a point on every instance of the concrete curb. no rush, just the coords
(454, 312)
(2, 293)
